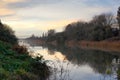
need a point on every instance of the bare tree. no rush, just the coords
(104, 20)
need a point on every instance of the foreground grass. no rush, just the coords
(16, 64)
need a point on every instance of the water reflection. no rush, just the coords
(79, 64)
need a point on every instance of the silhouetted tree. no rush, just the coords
(118, 19)
(99, 28)
(51, 35)
(7, 34)
(102, 26)
(118, 16)
(51, 32)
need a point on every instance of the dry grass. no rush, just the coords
(101, 45)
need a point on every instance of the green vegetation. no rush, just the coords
(15, 62)
(20, 66)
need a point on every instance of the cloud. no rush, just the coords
(57, 9)
(27, 28)
(12, 1)
(61, 11)
(32, 3)
(39, 25)
(5, 12)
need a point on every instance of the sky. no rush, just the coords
(27, 17)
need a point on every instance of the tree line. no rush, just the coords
(97, 29)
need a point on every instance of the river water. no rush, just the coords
(77, 63)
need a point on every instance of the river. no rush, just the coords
(77, 63)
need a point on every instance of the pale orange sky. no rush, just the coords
(27, 17)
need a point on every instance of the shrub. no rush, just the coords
(20, 49)
(40, 68)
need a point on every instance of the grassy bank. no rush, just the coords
(16, 64)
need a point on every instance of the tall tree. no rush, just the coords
(102, 26)
(104, 20)
(51, 35)
(118, 17)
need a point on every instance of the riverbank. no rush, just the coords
(100, 45)
(112, 44)
(16, 64)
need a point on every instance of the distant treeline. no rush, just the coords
(101, 27)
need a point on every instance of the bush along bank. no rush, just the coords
(16, 64)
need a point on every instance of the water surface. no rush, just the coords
(78, 64)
